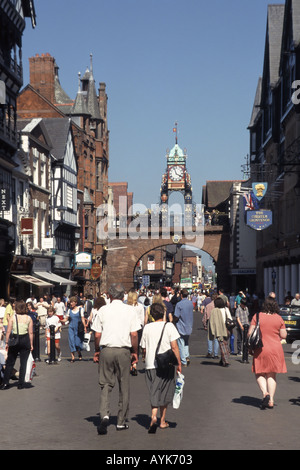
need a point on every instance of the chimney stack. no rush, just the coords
(42, 75)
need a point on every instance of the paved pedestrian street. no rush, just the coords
(220, 409)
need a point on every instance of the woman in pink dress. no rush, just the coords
(269, 361)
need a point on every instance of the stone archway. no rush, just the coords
(123, 254)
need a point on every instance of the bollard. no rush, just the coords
(36, 343)
(52, 344)
(245, 348)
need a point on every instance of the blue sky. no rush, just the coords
(196, 62)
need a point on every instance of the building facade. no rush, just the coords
(275, 151)
(13, 14)
(87, 117)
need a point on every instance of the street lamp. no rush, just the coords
(273, 278)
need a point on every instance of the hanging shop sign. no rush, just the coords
(83, 260)
(259, 220)
(27, 225)
(259, 190)
(4, 199)
(96, 271)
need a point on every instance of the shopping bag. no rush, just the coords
(86, 342)
(30, 368)
(178, 391)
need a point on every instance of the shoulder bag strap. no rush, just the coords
(158, 344)
(17, 324)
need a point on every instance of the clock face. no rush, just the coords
(176, 173)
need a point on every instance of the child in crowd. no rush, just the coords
(52, 319)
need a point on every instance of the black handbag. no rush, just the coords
(80, 327)
(14, 338)
(254, 341)
(166, 359)
(230, 324)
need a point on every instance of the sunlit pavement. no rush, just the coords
(220, 407)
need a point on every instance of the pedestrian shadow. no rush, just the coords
(295, 379)
(248, 401)
(144, 421)
(295, 401)
(212, 362)
(95, 420)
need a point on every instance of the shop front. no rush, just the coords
(42, 269)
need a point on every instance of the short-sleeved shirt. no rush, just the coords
(184, 313)
(115, 322)
(54, 320)
(243, 315)
(150, 338)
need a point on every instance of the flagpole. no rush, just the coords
(176, 133)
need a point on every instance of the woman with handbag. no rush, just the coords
(217, 328)
(77, 328)
(160, 382)
(269, 360)
(19, 340)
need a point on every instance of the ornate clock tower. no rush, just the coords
(177, 178)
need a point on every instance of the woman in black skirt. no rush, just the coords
(161, 386)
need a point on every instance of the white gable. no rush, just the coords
(69, 158)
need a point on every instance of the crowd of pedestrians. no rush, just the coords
(129, 326)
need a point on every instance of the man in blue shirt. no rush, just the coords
(183, 317)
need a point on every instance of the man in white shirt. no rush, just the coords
(116, 328)
(296, 301)
(42, 311)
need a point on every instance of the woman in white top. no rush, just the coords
(132, 299)
(161, 386)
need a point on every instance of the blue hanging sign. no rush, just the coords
(259, 190)
(259, 220)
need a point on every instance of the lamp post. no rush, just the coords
(273, 279)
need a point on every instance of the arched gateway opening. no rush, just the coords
(128, 239)
(123, 254)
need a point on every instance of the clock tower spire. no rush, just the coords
(176, 177)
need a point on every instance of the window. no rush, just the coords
(21, 193)
(43, 174)
(35, 229)
(151, 263)
(99, 175)
(69, 197)
(35, 167)
(86, 227)
(13, 191)
(43, 224)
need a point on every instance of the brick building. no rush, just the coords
(44, 97)
(120, 193)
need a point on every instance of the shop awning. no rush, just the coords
(55, 278)
(32, 280)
